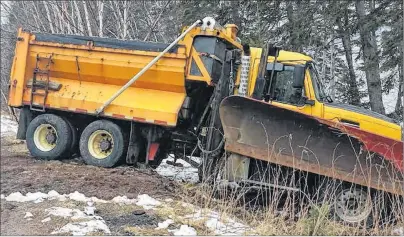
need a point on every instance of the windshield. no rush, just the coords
(318, 87)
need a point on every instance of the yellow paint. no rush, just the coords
(94, 143)
(320, 109)
(90, 75)
(40, 140)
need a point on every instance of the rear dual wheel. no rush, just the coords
(102, 143)
(49, 137)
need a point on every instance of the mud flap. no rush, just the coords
(26, 117)
(262, 131)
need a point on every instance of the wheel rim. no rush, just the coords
(100, 144)
(353, 205)
(45, 137)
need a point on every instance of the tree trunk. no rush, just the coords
(345, 35)
(79, 20)
(87, 18)
(370, 59)
(292, 32)
(100, 18)
(398, 108)
(48, 16)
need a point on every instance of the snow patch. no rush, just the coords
(97, 200)
(398, 231)
(28, 215)
(91, 222)
(76, 196)
(8, 127)
(184, 230)
(147, 202)
(52, 195)
(219, 225)
(165, 224)
(123, 200)
(47, 219)
(90, 209)
(187, 173)
(82, 228)
(2, 196)
(65, 212)
(29, 197)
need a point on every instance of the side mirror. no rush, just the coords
(273, 51)
(298, 76)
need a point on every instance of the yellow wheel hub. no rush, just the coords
(45, 137)
(100, 144)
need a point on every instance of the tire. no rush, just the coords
(74, 144)
(92, 139)
(349, 203)
(40, 129)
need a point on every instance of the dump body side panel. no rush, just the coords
(89, 75)
(17, 75)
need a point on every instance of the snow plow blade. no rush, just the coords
(262, 131)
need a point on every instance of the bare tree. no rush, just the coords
(370, 58)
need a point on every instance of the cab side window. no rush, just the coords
(283, 90)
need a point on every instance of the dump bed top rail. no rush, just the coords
(104, 42)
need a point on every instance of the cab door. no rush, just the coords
(284, 94)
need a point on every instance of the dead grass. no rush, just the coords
(114, 209)
(287, 213)
(139, 231)
(178, 210)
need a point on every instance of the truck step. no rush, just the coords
(39, 93)
(39, 71)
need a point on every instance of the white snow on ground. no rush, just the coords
(46, 219)
(67, 212)
(8, 126)
(184, 230)
(218, 224)
(29, 197)
(398, 231)
(147, 202)
(28, 215)
(90, 222)
(164, 224)
(82, 228)
(187, 173)
(76, 196)
(123, 200)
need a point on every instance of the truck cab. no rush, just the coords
(311, 99)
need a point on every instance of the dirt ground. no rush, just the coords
(22, 173)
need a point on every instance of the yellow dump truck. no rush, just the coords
(206, 95)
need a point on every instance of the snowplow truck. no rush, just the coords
(114, 101)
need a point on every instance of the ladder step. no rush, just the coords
(47, 58)
(38, 93)
(37, 109)
(38, 71)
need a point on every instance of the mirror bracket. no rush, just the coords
(309, 102)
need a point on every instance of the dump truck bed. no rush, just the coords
(87, 71)
(280, 136)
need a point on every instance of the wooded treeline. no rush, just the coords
(358, 44)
